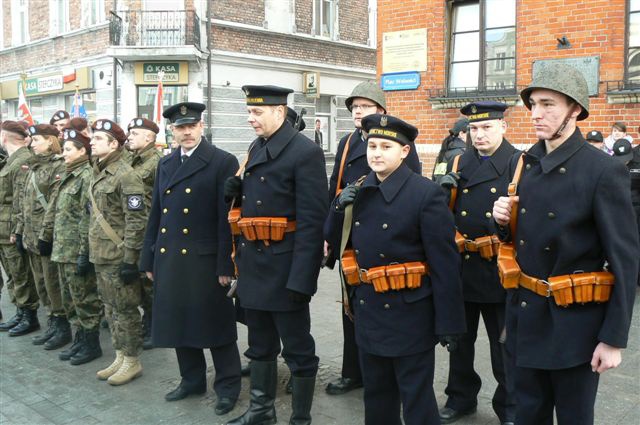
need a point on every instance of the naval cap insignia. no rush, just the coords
(474, 109)
(383, 121)
(183, 110)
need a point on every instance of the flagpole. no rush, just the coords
(77, 107)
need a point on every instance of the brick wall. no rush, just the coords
(304, 16)
(353, 21)
(246, 12)
(594, 28)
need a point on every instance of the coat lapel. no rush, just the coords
(489, 169)
(198, 160)
(357, 147)
(274, 146)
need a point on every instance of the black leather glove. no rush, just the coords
(82, 265)
(233, 188)
(45, 248)
(449, 180)
(346, 197)
(20, 245)
(449, 341)
(299, 297)
(129, 273)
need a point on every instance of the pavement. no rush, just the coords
(37, 388)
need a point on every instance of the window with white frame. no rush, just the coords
(373, 23)
(19, 22)
(279, 15)
(58, 17)
(92, 12)
(632, 70)
(325, 18)
(482, 54)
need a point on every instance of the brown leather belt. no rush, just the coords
(259, 228)
(487, 246)
(384, 278)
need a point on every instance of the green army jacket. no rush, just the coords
(12, 177)
(40, 186)
(68, 215)
(119, 196)
(145, 163)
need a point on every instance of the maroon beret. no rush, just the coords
(111, 128)
(72, 135)
(78, 123)
(143, 123)
(43, 130)
(59, 115)
(15, 127)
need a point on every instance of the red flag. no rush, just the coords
(157, 111)
(23, 108)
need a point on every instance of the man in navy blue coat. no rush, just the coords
(399, 218)
(284, 180)
(187, 254)
(574, 215)
(482, 175)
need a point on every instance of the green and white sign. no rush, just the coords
(43, 84)
(171, 72)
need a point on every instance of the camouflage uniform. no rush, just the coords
(145, 163)
(118, 193)
(12, 177)
(68, 216)
(43, 179)
(3, 162)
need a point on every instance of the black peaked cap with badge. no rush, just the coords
(595, 136)
(266, 95)
(390, 128)
(184, 113)
(484, 110)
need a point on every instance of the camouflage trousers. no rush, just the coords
(80, 297)
(147, 294)
(121, 309)
(22, 288)
(9, 283)
(45, 274)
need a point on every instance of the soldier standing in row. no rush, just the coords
(116, 230)
(405, 271)
(12, 179)
(60, 120)
(350, 164)
(68, 215)
(567, 320)
(279, 251)
(478, 177)
(141, 141)
(187, 253)
(41, 184)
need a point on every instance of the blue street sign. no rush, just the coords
(400, 81)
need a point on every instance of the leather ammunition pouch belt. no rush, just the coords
(260, 228)
(486, 246)
(576, 288)
(383, 278)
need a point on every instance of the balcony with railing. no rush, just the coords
(133, 31)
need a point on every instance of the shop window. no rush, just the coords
(58, 17)
(633, 43)
(37, 110)
(482, 51)
(325, 18)
(147, 98)
(19, 22)
(93, 12)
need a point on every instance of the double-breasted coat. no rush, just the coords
(284, 177)
(482, 182)
(187, 246)
(574, 214)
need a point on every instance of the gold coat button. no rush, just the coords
(357, 251)
(164, 210)
(385, 225)
(465, 190)
(562, 170)
(183, 251)
(261, 179)
(493, 190)
(521, 242)
(523, 210)
(188, 190)
(186, 210)
(463, 213)
(258, 202)
(185, 231)
(523, 304)
(467, 256)
(528, 166)
(247, 174)
(163, 230)
(162, 250)
(361, 302)
(551, 215)
(547, 249)
(465, 236)
(357, 223)
(487, 214)
(244, 197)
(168, 191)
(387, 306)
(381, 255)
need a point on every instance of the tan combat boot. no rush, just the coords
(131, 368)
(104, 374)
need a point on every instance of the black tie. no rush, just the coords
(183, 158)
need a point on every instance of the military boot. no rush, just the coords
(62, 336)
(28, 323)
(301, 400)
(131, 368)
(264, 380)
(13, 321)
(46, 336)
(90, 350)
(105, 373)
(78, 341)
(146, 329)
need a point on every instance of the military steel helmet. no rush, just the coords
(367, 90)
(564, 79)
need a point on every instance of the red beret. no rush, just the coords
(110, 127)
(72, 135)
(143, 123)
(43, 130)
(59, 115)
(15, 127)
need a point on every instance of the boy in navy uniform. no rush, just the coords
(481, 176)
(282, 194)
(407, 292)
(572, 214)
